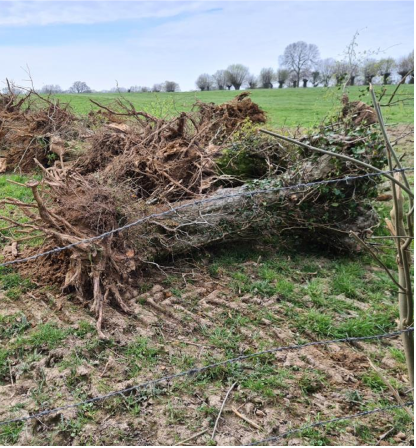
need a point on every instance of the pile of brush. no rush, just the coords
(206, 162)
(33, 127)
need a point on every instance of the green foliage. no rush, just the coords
(14, 284)
(9, 434)
(13, 325)
(373, 380)
(140, 354)
(240, 158)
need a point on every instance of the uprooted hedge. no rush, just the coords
(131, 164)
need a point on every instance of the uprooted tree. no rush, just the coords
(200, 178)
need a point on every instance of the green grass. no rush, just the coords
(140, 354)
(9, 434)
(13, 284)
(291, 107)
(8, 211)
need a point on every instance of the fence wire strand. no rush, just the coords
(248, 193)
(194, 371)
(332, 420)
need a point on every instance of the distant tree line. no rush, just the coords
(82, 87)
(301, 65)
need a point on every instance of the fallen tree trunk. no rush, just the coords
(232, 214)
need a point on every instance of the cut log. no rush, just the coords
(233, 214)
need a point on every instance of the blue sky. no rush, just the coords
(141, 43)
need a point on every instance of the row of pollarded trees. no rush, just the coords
(301, 65)
(234, 76)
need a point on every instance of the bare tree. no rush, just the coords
(118, 89)
(205, 82)
(353, 72)
(305, 75)
(282, 76)
(50, 89)
(145, 89)
(411, 58)
(316, 77)
(157, 88)
(236, 75)
(292, 81)
(252, 81)
(406, 65)
(370, 69)
(386, 67)
(326, 69)
(266, 78)
(171, 86)
(298, 57)
(220, 78)
(79, 87)
(135, 89)
(341, 72)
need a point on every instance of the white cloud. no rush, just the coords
(22, 13)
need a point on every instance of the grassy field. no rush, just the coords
(291, 107)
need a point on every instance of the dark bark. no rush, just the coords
(386, 78)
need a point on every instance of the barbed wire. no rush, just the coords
(333, 420)
(196, 370)
(200, 202)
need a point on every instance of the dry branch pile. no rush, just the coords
(137, 164)
(32, 129)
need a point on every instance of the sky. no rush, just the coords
(106, 43)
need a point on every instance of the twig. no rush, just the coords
(222, 407)
(391, 388)
(373, 254)
(192, 437)
(339, 156)
(385, 435)
(397, 87)
(246, 419)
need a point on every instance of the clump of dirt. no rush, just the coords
(358, 112)
(231, 114)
